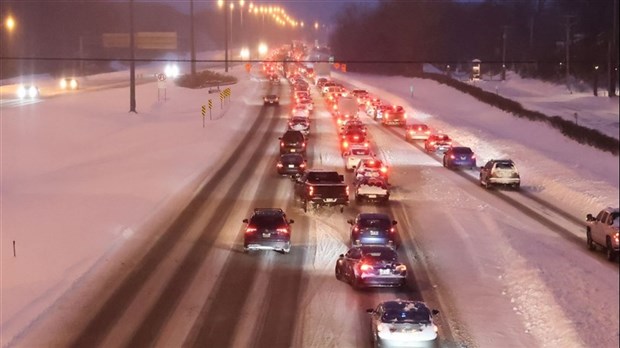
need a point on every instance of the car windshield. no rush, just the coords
(374, 223)
(414, 316)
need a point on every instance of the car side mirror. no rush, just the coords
(341, 177)
(341, 255)
(279, 138)
(589, 217)
(481, 168)
(291, 221)
(350, 222)
(245, 221)
(370, 310)
(394, 222)
(434, 312)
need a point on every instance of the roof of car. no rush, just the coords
(373, 216)
(404, 304)
(268, 211)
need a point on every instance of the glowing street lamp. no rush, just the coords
(9, 23)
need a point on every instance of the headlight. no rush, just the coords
(33, 92)
(63, 84)
(73, 84)
(21, 92)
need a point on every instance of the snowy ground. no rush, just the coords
(81, 176)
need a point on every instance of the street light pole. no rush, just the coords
(225, 37)
(132, 64)
(191, 35)
(504, 53)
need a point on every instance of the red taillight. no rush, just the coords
(281, 143)
(366, 145)
(405, 115)
(303, 144)
(345, 144)
(384, 170)
(356, 229)
(283, 230)
(310, 191)
(428, 132)
(303, 165)
(365, 267)
(392, 230)
(279, 165)
(356, 137)
(372, 163)
(250, 229)
(473, 156)
(347, 190)
(432, 143)
(452, 156)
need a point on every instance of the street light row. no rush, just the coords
(278, 14)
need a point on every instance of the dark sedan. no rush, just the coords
(459, 156)
(371, 266)
(293, 164)
(373, 229)
(267, 229)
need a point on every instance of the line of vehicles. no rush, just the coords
(372, 259)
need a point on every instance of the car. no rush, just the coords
(352, 137)
(381, 110)
(373, 168)
(459, 156)
(403, 323)
(300, 111)
(267, 229)
(293, 164)
(320, 82)
(292, 142)
(372, 190)
(603, 230)
(271, 99)
(372, 105)
(307, 103)
(351, 123)
(69, 83)
(417, 131)
(373, 229)
(299, 123)
(500, 172)
(355, 154)
(437, 143)
(394, 115)
(318, 188)
(28, 91)
(371, 266)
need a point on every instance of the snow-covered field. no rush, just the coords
(81, 177)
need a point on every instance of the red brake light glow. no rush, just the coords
(250, 229)
(365, 267)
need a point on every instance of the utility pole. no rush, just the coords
(191, 34)
(612, 55)
(225, 36)
(504, 28)
(567, 45)
(132, 64)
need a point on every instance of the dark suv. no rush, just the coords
(373, 229)
(293, 142)
(267, 229)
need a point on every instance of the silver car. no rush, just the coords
(403, 323)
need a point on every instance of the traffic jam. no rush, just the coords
(372, 260)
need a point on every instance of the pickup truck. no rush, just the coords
(372, 189)
(603, 230)
(322, 188)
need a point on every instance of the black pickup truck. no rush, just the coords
(322, 188)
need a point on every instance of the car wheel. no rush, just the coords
(356, 283)
(611, 254)
(338, 273)
(589, 241)
(305, 205)
(342, 209)
(516, 187)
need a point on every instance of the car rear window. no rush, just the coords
(323, 177)
(360, 152)
(462, 150)
(379, 253)
(267, 221)
(376, 223)
(419, 316)
(293, 136)
(504, 165)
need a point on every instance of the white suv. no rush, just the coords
(603, 230)
(500, 172)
